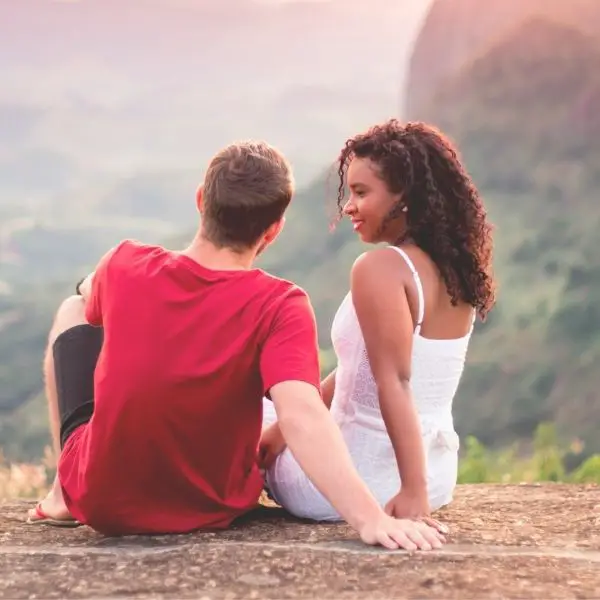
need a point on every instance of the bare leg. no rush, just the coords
(70, 313)
(50, 389)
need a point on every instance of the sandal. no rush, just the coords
(43, 519)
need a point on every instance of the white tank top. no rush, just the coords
(437, 367)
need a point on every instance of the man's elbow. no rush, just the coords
(301, 419)
(300, 413)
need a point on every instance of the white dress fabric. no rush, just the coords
(437, 367)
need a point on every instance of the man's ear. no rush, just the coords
(200, 198)
(270, 236)
(274, 231)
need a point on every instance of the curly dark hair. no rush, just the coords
(444, 212)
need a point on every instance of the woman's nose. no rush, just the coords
(348, 208)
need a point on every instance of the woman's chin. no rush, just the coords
(364, 237)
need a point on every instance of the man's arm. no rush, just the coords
(290, 370)
(318, 446)
(272, 442)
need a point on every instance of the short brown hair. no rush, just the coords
(247, 187)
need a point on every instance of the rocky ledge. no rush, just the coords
(507, 541)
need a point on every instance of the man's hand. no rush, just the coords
(401, 533)
(413, 505)
(317, 444)
(271, 446)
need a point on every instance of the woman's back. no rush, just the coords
(437, 359)
(441, 320)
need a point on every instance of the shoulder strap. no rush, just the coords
(418, 284)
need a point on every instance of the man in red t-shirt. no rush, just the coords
(156, 372)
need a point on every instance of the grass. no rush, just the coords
(28, 481)
(547, 460)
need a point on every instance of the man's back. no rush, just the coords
(188, 354)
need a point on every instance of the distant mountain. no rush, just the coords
(456, 31)
(109, 111)
(96, 91)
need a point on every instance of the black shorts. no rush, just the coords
(76, 352)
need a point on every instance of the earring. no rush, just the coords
(405, 208)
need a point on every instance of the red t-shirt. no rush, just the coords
(188, 355)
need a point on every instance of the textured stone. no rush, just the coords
(505, 542)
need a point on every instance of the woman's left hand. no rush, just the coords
(271, 446)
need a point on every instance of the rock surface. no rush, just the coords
(525, 541)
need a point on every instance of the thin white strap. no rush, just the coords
(419, 285)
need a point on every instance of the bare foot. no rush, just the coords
(52, 510)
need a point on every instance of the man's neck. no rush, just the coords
(210, 256)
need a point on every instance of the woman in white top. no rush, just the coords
(402, 332)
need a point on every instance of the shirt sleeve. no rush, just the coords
(291, 350)
(96, 303)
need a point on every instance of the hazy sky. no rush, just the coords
(171, 85)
